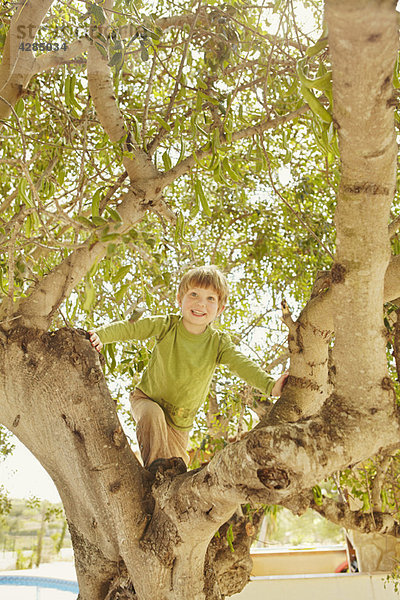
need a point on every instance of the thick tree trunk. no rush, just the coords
(363, 45)
(53, 396)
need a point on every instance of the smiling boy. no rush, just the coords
(178, 376)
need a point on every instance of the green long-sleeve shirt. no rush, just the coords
(182, 364)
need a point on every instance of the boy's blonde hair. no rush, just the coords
(204, 277)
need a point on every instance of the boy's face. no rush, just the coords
(199, 308)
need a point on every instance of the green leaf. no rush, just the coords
(109, 351)
(136, 129)
(67, 92)
(229, 170)
(228, 127)
(163, 123)
(200, 84)
(24, 192)
(322, 83)
(178, 236)
(89, 295)
(69, 87)
(114, 214)
(201, 197)
(121, 273)
(84, 221)
(97, 13)
(19, 107)
(96, 203)
(155, 35)
(120, 294)
(99, 221)
(61, 176)
(318, 47)
(101, 49)
(144, 53)
(230, 537)
(317, 108)
(109, 237)
(317, 493)
(183, 149)
(208, 98)
(117, 60)
(215, 140)
(287, 158)
(28, 226)
(194, 209)
(167, 161)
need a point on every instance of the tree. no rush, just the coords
(144, 125)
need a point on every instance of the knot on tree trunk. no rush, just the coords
(338, 273)
(162, 468)
(273, 477)
(121, 588)
(161, 538)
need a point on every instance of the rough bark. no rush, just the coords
(231, 561)
(368, 157)
(365, 523)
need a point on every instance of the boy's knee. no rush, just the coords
(153, 412)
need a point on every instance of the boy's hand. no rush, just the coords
(279, 384)
(95, 341)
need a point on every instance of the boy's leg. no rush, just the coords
(155, 437)
(178, 442)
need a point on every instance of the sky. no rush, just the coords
(23, 476)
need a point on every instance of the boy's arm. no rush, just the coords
(248, 370)
(121, 331)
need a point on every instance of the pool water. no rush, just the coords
(19, 587)
(32, 593)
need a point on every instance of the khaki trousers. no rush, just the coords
(156, 438)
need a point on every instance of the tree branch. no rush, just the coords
(97, 475)
(17, 66)
(340, 513)
(50, 60)
(137, 163)
(190, 161)
(45, 298)
(273, 465)
(161, 133)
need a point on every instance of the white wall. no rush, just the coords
(354, 586)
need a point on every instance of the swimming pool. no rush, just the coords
(20, 587)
